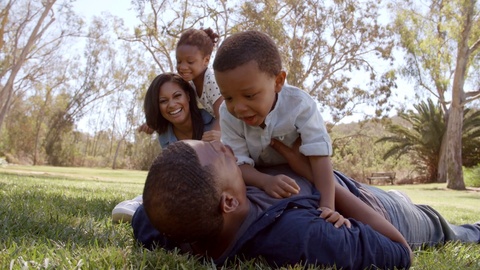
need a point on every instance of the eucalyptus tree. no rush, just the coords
(101, 71)
(31, 32)
(162, 22)
(325, 44)
(442, 43)
(332, 49)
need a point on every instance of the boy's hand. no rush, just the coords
(211, 135)
(334, 217)
(281, 186)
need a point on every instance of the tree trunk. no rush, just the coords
(442, 164)
(454, 149)
(114, 165)
(7, 90)
(455, 116)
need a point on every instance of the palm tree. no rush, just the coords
(421, 139)
(471, 138)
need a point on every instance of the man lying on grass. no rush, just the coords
(204, 208)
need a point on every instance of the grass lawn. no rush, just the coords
(59, 218)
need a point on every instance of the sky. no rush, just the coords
(120, 8)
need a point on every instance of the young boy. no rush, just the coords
(259, 107)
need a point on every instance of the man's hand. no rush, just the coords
(281, 186)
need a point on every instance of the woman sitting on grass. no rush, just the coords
(171, 110)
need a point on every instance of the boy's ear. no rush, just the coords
(280, 81)
(228, 203)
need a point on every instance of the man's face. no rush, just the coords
(220, 157)
(249, 93)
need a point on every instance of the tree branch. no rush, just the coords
(475, 46)
(471, 96)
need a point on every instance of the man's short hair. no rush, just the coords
(180, 196)
(243, 47)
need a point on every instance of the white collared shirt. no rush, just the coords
(295, 114)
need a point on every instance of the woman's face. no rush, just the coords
(173, 102)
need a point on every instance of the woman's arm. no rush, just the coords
(216, 110)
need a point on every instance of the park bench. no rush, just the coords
(383, 176)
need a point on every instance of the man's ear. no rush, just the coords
(280, 81)
(228, 203)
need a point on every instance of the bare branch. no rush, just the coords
(471, 96)
(474, 47)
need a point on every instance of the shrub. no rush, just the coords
(472, 176)
(11, 158)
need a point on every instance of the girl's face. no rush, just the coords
(190, 62)
(173, 102)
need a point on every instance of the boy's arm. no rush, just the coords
(252, 177)
(277, 186)
(322, 174)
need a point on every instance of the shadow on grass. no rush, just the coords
(63, 177)
(38, 215)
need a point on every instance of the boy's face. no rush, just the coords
(249, 93)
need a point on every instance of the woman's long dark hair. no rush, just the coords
(154, 118)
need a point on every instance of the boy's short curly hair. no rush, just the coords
(203, 39)
(243, 47)
(180, 195)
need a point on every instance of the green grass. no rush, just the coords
(458, 207)
(59, 218)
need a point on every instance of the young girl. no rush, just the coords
(193, 52)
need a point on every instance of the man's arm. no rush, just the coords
(297, 236)
(346, 203)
